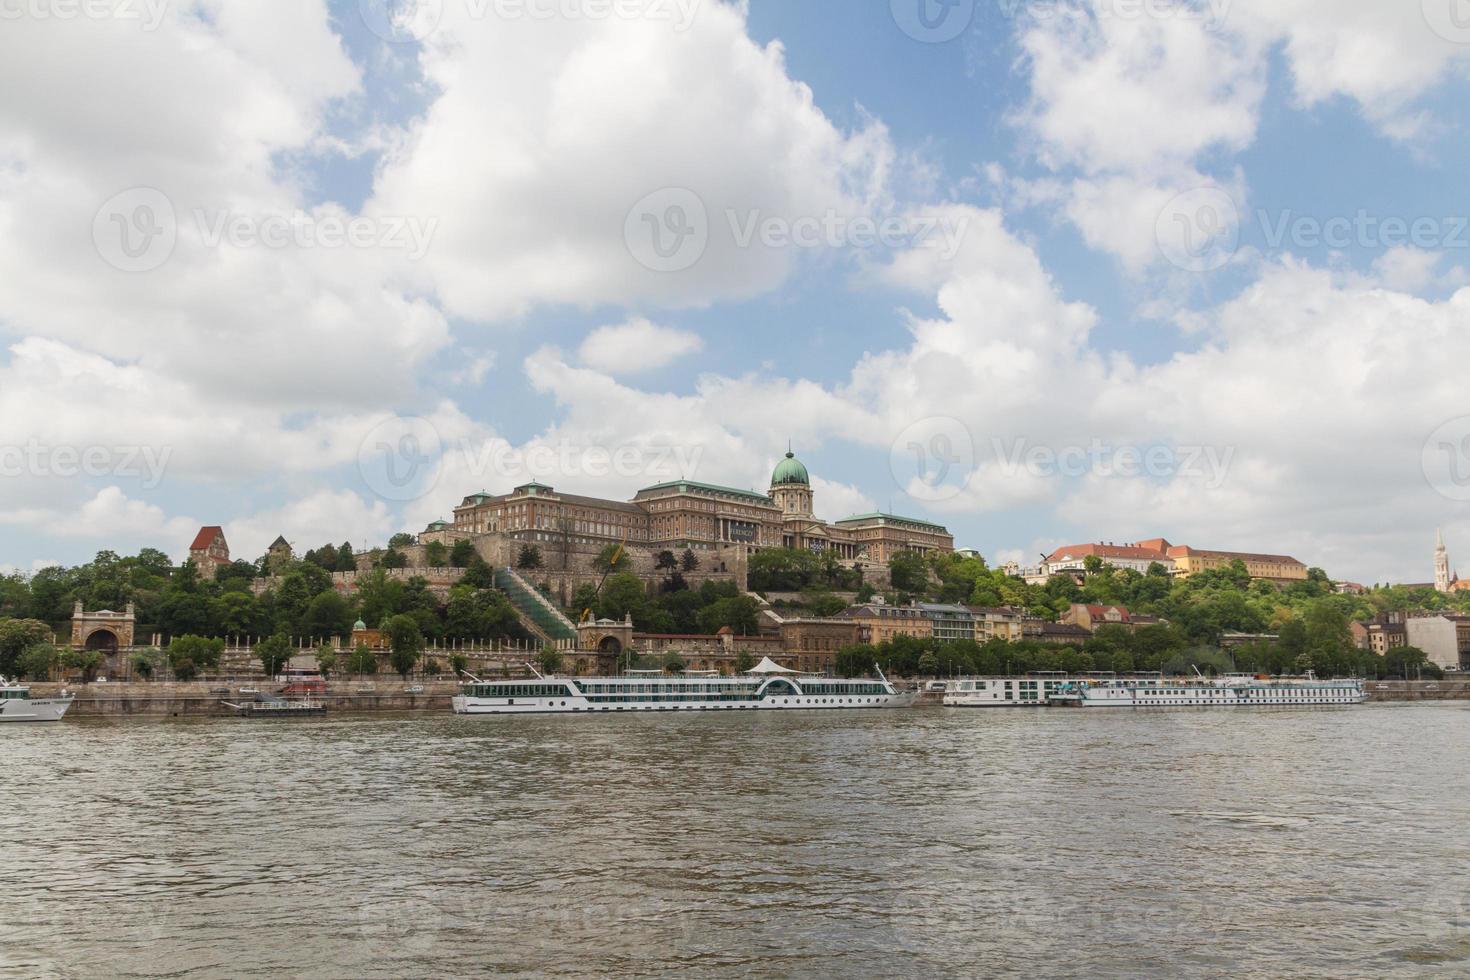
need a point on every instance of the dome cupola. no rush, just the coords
(790, 472)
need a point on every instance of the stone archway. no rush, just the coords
(105, 640)
(610, 646)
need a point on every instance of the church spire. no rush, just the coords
(1441, 563)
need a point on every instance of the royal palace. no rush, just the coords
(722, 525)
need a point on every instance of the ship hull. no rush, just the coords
(1253, 700)
(39, 709)
(464, 705)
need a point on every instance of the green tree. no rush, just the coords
(17, 636)
(274, 652)
(782, 570)
(326, 660)
(462, 553)
(689, 561)
(362, 660)
(549, 660)
(744, 661)
(529, 558)
(144, 664)
(393, 558)
(479, 574)
(86, 661)
(624, 595)
(405, 644)
(667, 562)
(909, 573)
(328, 614)
(436, 554)
(202, 652)
(346, 558)
(400, 540)
(479, 614)
(856, 661)
(673, 663)
(458, 663)
(740, 613)
(38, 662)
(613, 558)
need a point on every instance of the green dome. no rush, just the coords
(790, 472)
(359, 625)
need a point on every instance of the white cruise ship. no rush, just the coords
(771, 688)
(16, 704)
(1230, 691)
(1005, 692)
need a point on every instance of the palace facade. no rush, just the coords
(685, 514)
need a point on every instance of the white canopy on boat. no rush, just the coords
(769, 666)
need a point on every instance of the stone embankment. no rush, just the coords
(207, 699)
(1445, 690)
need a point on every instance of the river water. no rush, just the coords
(1312, 843)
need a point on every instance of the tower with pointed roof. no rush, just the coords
(791, 487)
(1441, 563)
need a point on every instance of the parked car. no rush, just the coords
(416, 689)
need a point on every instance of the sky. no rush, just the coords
(1044, 271)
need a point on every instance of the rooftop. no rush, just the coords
(857, 518)
(687, 486)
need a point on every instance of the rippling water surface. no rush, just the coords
(1319, 843)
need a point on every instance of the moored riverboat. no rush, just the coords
(16, 704)
(1230, 691)
(1032, 691)
(768, 688)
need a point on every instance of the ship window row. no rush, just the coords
(520, 691)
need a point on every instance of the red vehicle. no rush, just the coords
(303, 681)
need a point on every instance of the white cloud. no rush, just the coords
(1128, 109)
(311, 521)
(110, 516)
(546, 134)
(637, 345)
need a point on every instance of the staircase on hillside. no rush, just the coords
(537, 613)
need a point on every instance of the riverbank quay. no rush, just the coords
(1445, 690)
(207, 699)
